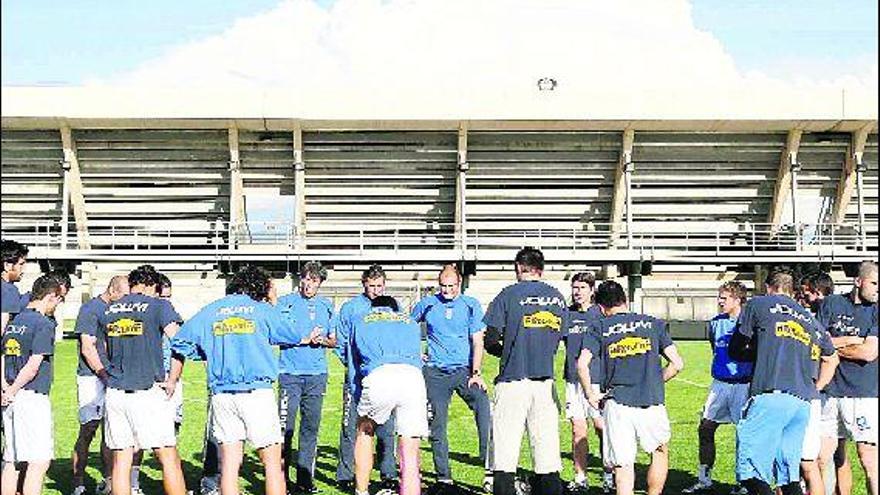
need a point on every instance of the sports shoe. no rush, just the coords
(104, 487)
(488, 482)
(209, 485)
(699, 486)
(608, 483)
(577, 487)
(386, 491)
(522, 487)
(137, 491)
(739, 490)
(80, 490)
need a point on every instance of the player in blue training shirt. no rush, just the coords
(785, 341)
(852, 394)
(730, 382)
(138, 414)
(14, 260)
(236, 335)
(582, 316)
(386, 354)
(90, 390)
(27, 359)
(525, 324)
(303, 379)
(373, 281)
(455, 331)
(631, 347)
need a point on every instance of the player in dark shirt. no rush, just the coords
(852, 321)
(785, 341)
(525, 324)
(14, 260)
(631, 347)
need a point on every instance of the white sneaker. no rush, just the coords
(137, 491)
(608, 483)
(80, 490)
(386, 491)
(488, 483)
(739, 490)
(699, 486)
(522, 487)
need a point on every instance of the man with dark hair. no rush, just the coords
(455, 330)
(525, 324)
(138, 413)
(852, 394)
(386, 353)
(631, 347)
(236, 335)
(14, 260)
(583, 315)
(90, 390)
(373, 281)
(815, 287)
(303, 379)
(59, 275)
(730, 382)
(785, 342)
(28, 347)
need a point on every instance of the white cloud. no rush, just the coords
(488, 52)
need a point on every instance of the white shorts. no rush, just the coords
(400, 389)
(577, 407)
(251, 416)
(627, 428)
(90, 392)
(177, 402)
(813, 435)
(858, 419)
(725, 402)
(143, 419)
(27, 428)
(520, 406)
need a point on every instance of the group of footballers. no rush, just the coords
(795, 370)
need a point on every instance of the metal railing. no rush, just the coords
(401, 237)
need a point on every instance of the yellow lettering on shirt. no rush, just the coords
(12, 348)
(234, 325)
(629, 346)
(543, 319)
(126, 327)
(387, 317)
(793, 330)
(815, 352)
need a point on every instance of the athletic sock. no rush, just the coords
(135, 476)
(705, 473)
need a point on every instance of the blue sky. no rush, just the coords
(70, 42)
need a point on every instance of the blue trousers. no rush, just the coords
(440, 385)
(385, 443)
(770, 438)
(303, 394)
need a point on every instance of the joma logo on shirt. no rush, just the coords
(793, 330)
(542, 319)
(842, 327)
(578, 328)
(629, 346)
(125, 327)
(628, 327)
(128, 308)
(781, 308)
(385, 316)
(236, 310)
(12, 348)
(542, 301)
(233, 326)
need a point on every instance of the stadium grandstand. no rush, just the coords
(671, 203)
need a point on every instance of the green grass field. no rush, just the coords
(685, 396)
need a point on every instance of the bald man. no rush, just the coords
(455, 332)
(89, 387)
